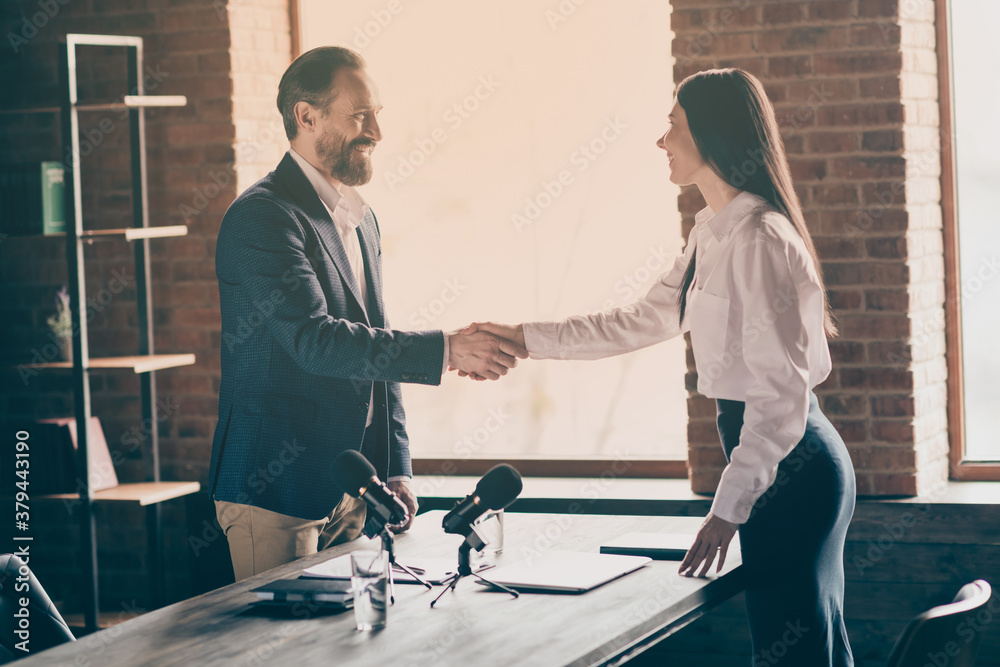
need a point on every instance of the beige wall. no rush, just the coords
(486, 106)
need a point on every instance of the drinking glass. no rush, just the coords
(369, 582)
(489, 527)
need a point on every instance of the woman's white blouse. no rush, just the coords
(755, 312)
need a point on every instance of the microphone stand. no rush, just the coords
(472, 541)
(388, 544)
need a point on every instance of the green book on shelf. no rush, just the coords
(53, 193)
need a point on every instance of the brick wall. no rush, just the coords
(226, 57)
(261, 52)
(855, 89)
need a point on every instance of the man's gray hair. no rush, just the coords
(310, 79)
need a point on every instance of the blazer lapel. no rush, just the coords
(368, 234)
(327, 232)
(319, 218)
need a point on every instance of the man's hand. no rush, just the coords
(401, 488)
(512, 333)
(483, 355)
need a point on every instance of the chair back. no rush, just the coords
(948, 635)
(46, 628)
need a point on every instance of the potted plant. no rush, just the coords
(61, 325)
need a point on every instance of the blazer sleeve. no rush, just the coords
(652, 319)
(399, 441)
(262, 248)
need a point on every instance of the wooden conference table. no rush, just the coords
(471, 626)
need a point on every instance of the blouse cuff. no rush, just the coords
(542, 340)
(734, 507)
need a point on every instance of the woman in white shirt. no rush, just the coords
(750, 290)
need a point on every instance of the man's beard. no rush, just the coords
(341, 160)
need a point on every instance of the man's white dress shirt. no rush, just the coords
(756, 316)
(347, 209)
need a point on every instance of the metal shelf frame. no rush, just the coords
(76, 239)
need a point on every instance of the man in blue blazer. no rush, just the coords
(310, 366)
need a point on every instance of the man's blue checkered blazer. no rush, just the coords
(300, 356)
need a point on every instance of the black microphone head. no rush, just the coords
(352, 472)
(499, 487)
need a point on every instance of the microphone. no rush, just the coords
(355, 475)
(496, 490)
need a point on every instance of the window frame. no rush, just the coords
(295, 27)
(960, 467)
(637, 469)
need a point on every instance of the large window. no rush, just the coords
(972, 162)
(518, 179)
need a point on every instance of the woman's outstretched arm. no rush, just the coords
(651, 319)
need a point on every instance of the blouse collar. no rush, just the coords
(737, 209)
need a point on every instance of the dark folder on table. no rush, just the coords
(658, 546)
(327, 593)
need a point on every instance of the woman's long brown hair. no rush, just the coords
(733, 125)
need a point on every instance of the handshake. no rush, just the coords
(486, 350)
